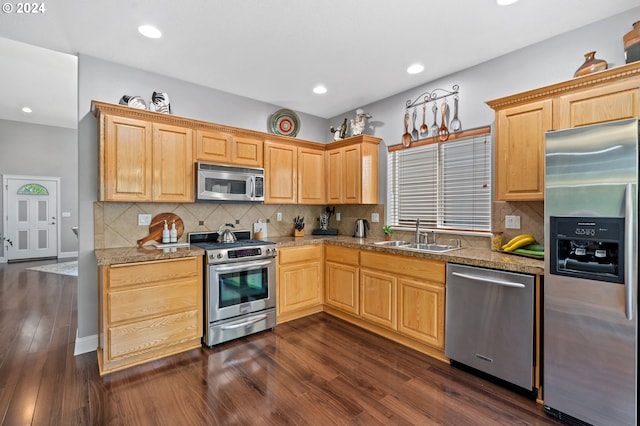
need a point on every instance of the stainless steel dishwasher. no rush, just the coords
(490, 322)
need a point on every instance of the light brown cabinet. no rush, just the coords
(523, 119)
(294, 174)
(417, 289)
(378, 297)
(352, 171)
(143, 161)
(300, 281)
(148, 310)
(223, 148)
(342, 279)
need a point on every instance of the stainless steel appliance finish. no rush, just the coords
(361, 227)
(490, 322)
(229, 183)
(590, 288)
(239, 286)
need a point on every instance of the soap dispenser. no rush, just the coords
(173, 234)
(165, 233)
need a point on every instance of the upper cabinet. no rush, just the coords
(147, 156)
(142, 160)
(224, 148)
(352, 171)
(523, 119)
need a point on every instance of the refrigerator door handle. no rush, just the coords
(629, 225)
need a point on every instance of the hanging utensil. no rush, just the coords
(455, 124)
(406, 137)
(434, 126)
(414, 132)
(424, 129)
(443, 132)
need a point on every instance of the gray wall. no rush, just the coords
(544, 63)
(106, 81)
(37, 150)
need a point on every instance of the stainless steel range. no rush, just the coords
(239, 286)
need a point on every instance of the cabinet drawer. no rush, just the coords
(424, 269)
(153, 300)
(343, 255)
(156, 333)
(125, 274)
(300, 254)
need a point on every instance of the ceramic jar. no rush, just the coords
(591, 64)
(632, 44)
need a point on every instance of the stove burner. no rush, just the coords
(243, 249)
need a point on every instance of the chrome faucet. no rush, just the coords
(418, 230)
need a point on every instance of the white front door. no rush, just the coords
(31, 206)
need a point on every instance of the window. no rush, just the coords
(32, 189)
(445, 184)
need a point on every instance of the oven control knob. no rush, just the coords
(219, 256)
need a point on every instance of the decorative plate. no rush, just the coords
(284, 122)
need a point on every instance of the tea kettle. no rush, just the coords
(361, 228)
(227, 236)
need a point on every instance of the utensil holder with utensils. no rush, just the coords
(441, 131)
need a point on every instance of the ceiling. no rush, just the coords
(276, 51)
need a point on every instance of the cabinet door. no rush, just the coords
(173, 164)
(213, 147)
(311, 182)
(421, 310)
(247, 151)
(520, 151)
(335, 161)
(126, 163)
(342, 287)
(300, 286)
(378, 298)
(281, 169)
(611, 102)
(352, 175)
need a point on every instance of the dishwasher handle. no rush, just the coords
(488, 280)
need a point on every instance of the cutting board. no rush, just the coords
(157, 225)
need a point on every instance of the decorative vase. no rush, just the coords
(632, 44)
(591, 64)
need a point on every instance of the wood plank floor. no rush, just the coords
(314, 371)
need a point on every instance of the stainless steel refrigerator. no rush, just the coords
(590, 322)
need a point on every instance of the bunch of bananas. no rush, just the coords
(520, 241)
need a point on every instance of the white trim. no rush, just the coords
(67, 254)
(5, 201)
(3, 260)
(85, 344)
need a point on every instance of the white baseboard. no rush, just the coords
(85, 344)
(3, 260)
(67, 254)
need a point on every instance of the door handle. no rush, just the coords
(629, 245)
(489, 280)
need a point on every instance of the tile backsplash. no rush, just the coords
(116, 224)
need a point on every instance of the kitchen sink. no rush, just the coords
(391, 243)
(438, 248)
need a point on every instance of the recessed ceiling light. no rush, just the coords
(415, 69)
(27, 110)
(149, 31)
(319, 90)
(505, 2)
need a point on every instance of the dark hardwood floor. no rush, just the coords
(314, 371)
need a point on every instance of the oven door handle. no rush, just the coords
(250, 321)
(242, 267)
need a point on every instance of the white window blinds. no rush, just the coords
(446, 184)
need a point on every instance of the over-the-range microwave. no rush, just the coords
(217, 182)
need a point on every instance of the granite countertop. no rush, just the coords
(466, 255)
(143, 254)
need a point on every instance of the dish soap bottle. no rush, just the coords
(173, 234)
(165, 233)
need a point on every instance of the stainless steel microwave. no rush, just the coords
(217, 182)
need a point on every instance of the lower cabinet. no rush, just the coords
(399, 297)
(148, 310)
(342, 283)
(300, 277)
